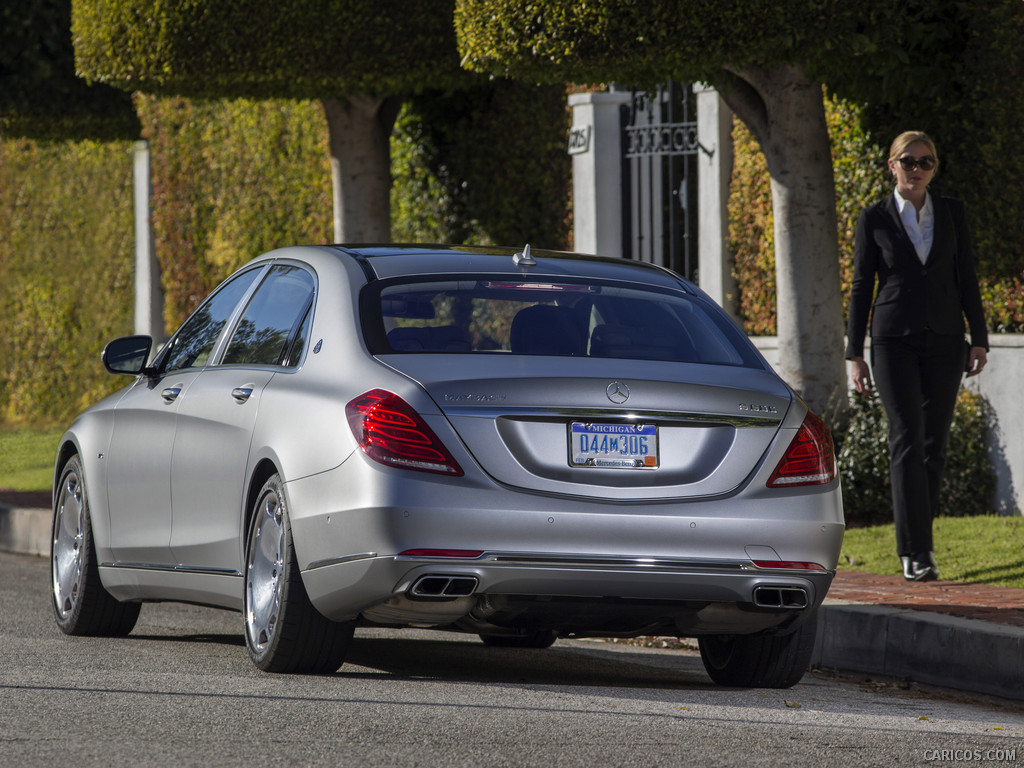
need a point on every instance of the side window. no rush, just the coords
(273, 319)
(196, 338)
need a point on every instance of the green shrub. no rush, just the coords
(864, 463)
(968, 481)
(751, 234)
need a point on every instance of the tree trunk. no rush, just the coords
(359, 130)
(784, 109)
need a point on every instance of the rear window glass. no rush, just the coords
(472, 316)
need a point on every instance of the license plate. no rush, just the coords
(616, 446)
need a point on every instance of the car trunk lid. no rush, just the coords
(582, 427)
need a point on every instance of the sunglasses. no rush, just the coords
(908, 163)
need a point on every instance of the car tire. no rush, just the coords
(542, 638)
(81, 605)
(283, 631)
(760, 661)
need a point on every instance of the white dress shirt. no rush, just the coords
(920, 225)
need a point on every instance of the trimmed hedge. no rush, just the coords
(642, 41)
(66, 265)
(231, 180)
(267, 49)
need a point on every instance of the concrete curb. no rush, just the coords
(923, 646)
(26, 531)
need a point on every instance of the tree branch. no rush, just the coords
(743, 97)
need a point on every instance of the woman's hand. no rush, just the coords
(861, 374)
(976, 361)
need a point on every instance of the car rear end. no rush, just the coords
(577, 446)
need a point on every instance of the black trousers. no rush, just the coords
(917, 377)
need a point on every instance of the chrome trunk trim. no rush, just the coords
(615, 414)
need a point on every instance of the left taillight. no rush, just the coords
(391, 432)
(810, 458)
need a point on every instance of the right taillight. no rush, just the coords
(390, 432)
(810, 458)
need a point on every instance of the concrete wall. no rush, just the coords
(1002, 384)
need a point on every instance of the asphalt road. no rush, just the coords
(181, 691)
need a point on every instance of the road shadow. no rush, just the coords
(456, 658)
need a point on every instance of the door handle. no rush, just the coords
(170, 394)
(241, 394)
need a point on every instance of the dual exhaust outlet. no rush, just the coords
(443, 587)
(780, 597)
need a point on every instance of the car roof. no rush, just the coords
(389, 261)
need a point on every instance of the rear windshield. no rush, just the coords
(575, 319)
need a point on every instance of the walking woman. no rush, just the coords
(917, 249)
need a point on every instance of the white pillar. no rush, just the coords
(149, 296)
(596, 148)
(714, 169)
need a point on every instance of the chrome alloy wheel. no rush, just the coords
(67, 554)
(264, 576)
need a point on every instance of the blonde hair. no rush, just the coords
(905, 139)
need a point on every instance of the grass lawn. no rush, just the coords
(985, 550)
(26, 458)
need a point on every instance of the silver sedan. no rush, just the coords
(524, 446)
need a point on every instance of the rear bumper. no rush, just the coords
(677, 562)
(573, 594)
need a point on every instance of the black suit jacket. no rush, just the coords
(912, 296)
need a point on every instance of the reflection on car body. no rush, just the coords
(458, 438)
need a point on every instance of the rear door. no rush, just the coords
(211, 456)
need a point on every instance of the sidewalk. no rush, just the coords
(946, 633)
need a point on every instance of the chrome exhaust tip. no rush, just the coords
(440, 587)
(780, 597)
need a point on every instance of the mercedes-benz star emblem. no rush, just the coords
(617, 392)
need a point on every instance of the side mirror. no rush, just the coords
(127, 354)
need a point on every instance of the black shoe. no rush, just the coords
(919, 567)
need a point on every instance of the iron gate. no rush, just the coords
(660, 178)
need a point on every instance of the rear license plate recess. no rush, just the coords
(613, 446)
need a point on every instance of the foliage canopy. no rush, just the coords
(267, 49)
